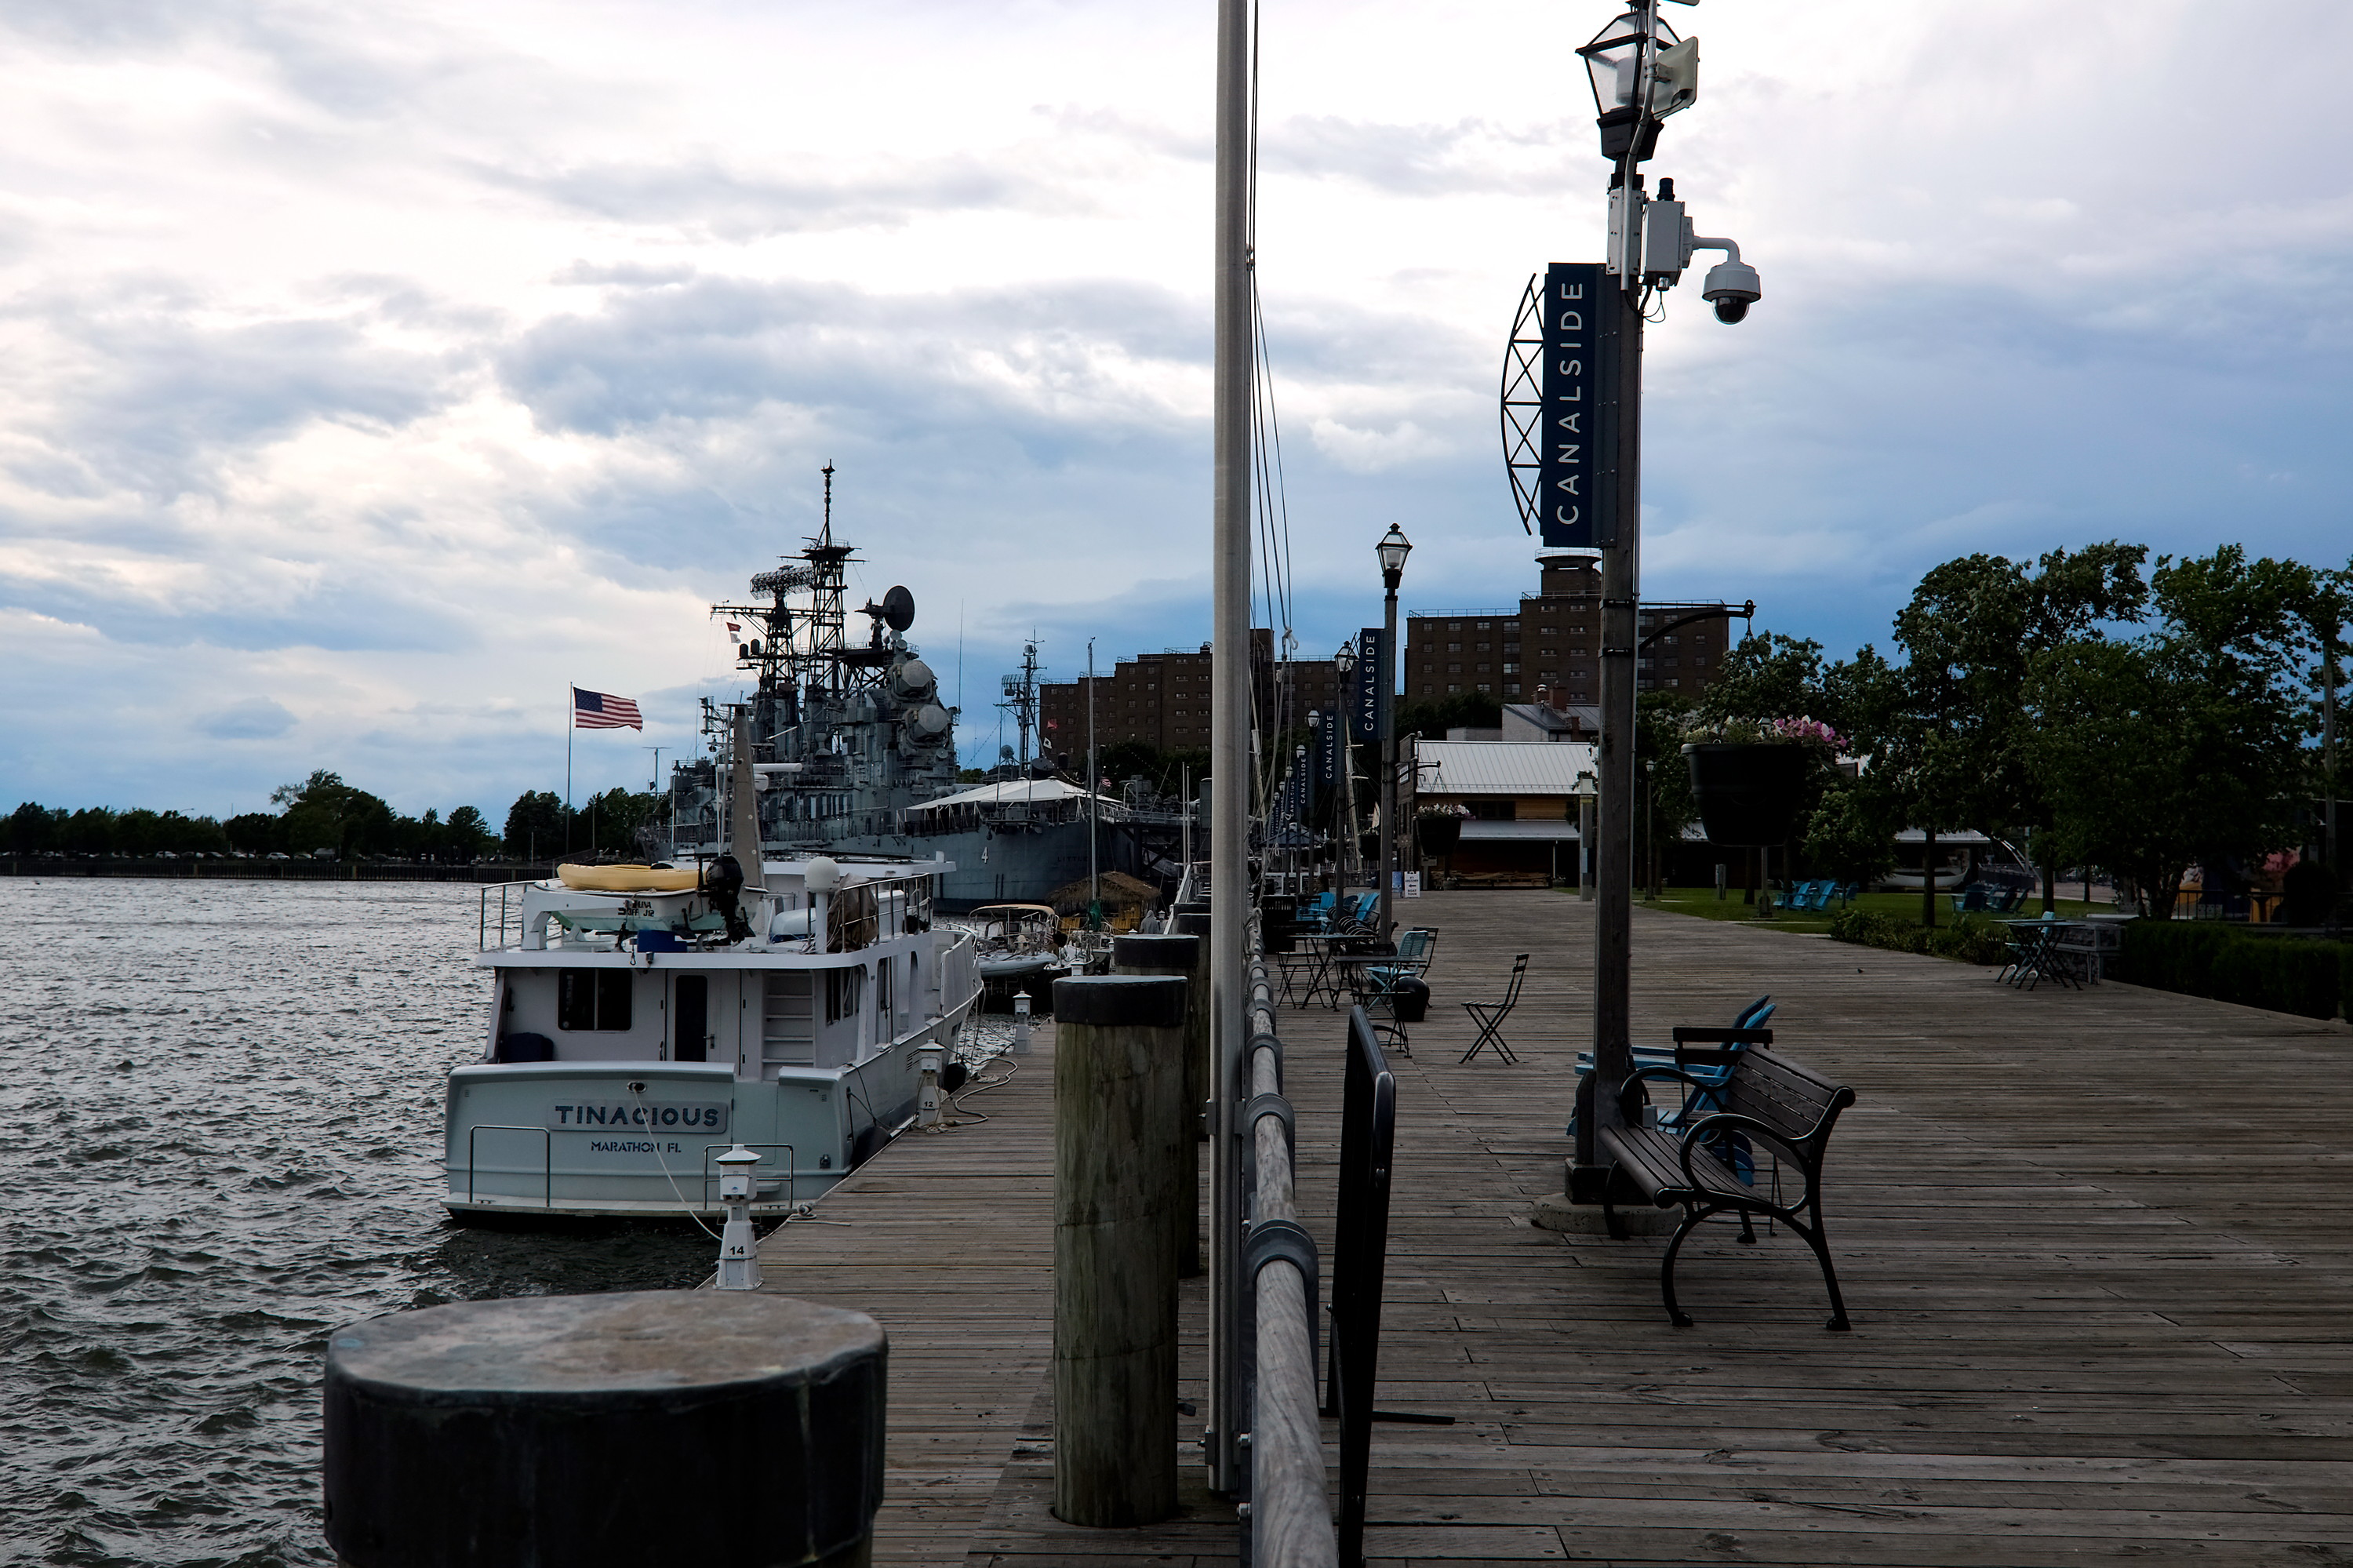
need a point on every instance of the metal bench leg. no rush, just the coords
(1693, 1214)
(1820, 1244)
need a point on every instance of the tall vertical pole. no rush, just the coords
(571, 723)
(1385, 701)
(1094, 806)
(1229, 737)
(1620, 379)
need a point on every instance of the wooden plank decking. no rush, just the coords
(2098, 1247)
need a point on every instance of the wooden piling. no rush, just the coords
(1119, 1088)
(1187, 957)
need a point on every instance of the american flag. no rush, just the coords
(595, 710)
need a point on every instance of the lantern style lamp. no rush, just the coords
(1613, 59)
(1393, 549)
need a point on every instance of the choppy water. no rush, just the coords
(223, 1105)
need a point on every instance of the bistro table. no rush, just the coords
(2042, 949)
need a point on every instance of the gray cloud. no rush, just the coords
(255, 718)
(705, 199)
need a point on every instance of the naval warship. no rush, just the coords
(853, 750)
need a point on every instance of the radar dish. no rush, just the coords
(899, 608)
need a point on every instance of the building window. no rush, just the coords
(1511, 667)
(1455, 688)
(1511, 688)
(1483, 686)
(1452, 670)
(1450, 647)
(1511, 647)
(1427, 690)
(1485, 626)
(1453, 626)
(1511, 626)
(1482, 670)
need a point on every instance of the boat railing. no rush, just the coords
(494, 935)
(546, 1158)
(711, 1176)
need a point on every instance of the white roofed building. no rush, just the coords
(1520, 800)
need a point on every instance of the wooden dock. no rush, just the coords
(2098, 1247)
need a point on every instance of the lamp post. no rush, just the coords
(1640, 73)
(1392, 550)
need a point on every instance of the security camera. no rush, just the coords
(1732, 284)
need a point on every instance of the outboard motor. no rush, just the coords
(723, 883)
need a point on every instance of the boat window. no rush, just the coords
(842, 987)
(883, 986)
(592, 999)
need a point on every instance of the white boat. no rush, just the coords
(1018, 947)
(638, 1028)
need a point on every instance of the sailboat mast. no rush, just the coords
(1229, 743)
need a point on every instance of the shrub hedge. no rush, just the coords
(1970, 939)
(2284, 974)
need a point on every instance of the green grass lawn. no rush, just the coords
(1704, 903)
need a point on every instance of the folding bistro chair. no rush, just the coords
(1489, 1015)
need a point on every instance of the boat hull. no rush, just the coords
(583, 1140)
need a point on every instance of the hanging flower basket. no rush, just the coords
(1749, 793)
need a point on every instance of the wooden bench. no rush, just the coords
(1770, 1099)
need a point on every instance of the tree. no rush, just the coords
(255, 832)
(470, 836)
(2184, 745)
(1973, 627)
(1663, 803)
(1768, 676)
(33, 828)
(322, 812)
(1852, 834)
(535, 823)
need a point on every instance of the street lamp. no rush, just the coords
(1640, 73)
(1392, 550)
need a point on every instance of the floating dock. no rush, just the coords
(2097, 1245)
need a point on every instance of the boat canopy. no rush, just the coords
(1013, 792)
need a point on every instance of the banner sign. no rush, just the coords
(1569, 451)
(1326, 759)
(1364, 702)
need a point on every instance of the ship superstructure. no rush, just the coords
(853, 750)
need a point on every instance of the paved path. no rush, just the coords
(2098, 1247)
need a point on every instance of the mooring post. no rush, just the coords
(638, 1426)
(1119, 1090)
(1187, 957)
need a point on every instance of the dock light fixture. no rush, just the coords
(1021, 1023)
(739, 1258)
(927, 1094)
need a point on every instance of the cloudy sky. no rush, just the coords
(373, 371)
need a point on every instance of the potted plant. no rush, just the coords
(1440, 829)
(1751, 778)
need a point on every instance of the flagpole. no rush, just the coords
(571, 723)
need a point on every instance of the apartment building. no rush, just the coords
(1550, 644)
(1163, 699)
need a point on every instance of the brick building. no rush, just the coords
(1163, 699)
(1552, 643)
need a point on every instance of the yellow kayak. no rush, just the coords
(626, 879)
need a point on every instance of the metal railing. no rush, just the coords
(1286, 1518)
(510, 908)
(547, 1157)
(709, 1177)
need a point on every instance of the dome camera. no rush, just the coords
(1731, 287)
